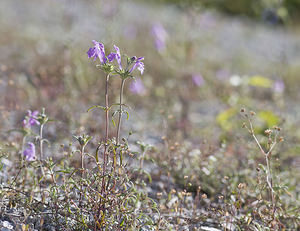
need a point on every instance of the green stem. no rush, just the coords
(82, 161)
(120, 111)
(82, 176)
(22, 150)
(105, 155)
(41, 149)
(270, 182)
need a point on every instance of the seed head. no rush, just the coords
(268, 132)
(241, 185)
(173, 191)
(281, 139)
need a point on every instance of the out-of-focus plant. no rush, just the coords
(273, 139)
(271, 11)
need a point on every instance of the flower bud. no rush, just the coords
(268, 132)
(281, 139)
(241, 185)
(252, 113)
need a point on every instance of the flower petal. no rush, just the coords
(97, 51)
(118, 56)
(139, 65)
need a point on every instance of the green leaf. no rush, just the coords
(114, 113)
(96, 155)
(127, 113)
(113, 121)
(148, 175)
(63, 171)
(96, 106)
(260, 81)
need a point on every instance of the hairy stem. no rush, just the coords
(82, 176)
(120, 111)
(269, 180)
(82, 160)
(105, 155)
(22, 150)
(41, 149)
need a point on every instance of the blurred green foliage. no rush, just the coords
(273, 11)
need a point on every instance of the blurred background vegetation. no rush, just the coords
(273, 11)
(211, 65)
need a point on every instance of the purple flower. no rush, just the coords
(116, 56)
(29, 152)
(137, 87)
(30, 119)
(138, 64)
(278, 86)
(197, 79)
(160, 36)
(97, 52)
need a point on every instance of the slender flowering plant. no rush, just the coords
(98, 51)
(132, 64)
(31, 119)
(107, 65)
